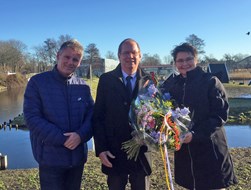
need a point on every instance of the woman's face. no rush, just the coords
(185, 62)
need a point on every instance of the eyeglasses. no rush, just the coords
(187, 60)
(133, 53)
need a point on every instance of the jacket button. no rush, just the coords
(125, 103)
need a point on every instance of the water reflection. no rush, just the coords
(16, 145)
(11, 104)
(238, 136)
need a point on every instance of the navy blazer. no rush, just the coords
(111, 121)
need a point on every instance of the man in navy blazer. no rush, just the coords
(111, 121)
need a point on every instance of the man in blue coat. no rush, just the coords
(58, 108)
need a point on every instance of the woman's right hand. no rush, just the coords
(188, 138)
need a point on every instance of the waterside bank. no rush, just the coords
(94, 179)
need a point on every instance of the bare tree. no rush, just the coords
(91, 56)
(50, 48)
(167, 59)
(45, 54)
(210, 59)
(111, 55)
(12, 55)
(198, 43)
(62, 39)
(236, 61)
(41, 57)
(147, 59)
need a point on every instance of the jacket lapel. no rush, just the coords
(121, 89)
(141, 81)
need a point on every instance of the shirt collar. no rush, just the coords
(125, 75)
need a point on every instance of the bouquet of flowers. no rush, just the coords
(157, 122)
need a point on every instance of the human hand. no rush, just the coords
(103, 156)
(187, 138)
(72, 141)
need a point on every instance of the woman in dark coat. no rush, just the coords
(203, 162)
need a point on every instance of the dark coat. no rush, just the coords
(111, 121)
(54, 105)
(205, 163)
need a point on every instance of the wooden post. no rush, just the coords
(3, 162)
(93, 145)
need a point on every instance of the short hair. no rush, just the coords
(73, 44)
(184, 47)
(126, 40)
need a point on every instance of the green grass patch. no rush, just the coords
(94, 179)
(93, 85)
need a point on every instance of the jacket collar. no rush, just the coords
(117, 72)
(59, 77)
(193, 73)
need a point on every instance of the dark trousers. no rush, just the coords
(60, 178)
(118, 182)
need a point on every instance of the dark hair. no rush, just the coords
(125, 40)
(184, 47)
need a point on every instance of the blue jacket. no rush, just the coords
(54, 105)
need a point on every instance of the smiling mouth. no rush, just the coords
(70, 68)
(185, 67)
(131, 62)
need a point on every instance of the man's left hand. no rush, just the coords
(72, 141)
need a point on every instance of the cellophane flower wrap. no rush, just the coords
(156, 121)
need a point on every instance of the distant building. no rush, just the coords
(99, 67)
(246, 62)
(219, 70)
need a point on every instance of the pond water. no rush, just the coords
(238, 136)
(16, 143)
(11, 104)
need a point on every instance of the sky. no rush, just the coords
(157, 25)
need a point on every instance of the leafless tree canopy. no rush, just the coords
(14, 56)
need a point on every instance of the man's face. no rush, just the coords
(129, 57)
(185, 62)
(67, 61)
